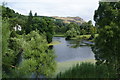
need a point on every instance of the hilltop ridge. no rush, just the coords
(76, 20)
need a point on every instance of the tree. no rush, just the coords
(35, 48)
(35, 15)
(93, 30)
(50, 31)
(60, 26)
(45, 26)
(71, 33)
(29, 26)
(24, 54)
(75, 26)
(107, 46)
(8, 55)
(10, 50)
(4, 4)
(85, 28)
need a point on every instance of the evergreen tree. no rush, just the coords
(29, 26)
(35, 15)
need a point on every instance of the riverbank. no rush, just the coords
(67, 56)
(77, 37)
(54, 43)
(63, 66)
(86, 37)
(59, 35)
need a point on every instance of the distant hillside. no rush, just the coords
(77, 20)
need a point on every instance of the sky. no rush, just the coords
(63, 8)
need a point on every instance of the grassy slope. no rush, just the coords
(62, 66)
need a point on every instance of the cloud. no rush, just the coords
(82, 8)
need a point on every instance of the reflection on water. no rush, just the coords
(65, 51)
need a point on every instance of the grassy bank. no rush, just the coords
(54, 43)
(83, 36)
(88, 70)
(63, 66)
(59, 35)
(77, 37)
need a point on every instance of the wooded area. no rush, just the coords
(26, 50)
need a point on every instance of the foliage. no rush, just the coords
(70, 33)
(87, 70)
(83, 29)
(107, 46)
(35, 14)
(88, 28)
(24, 54)
(7, 12)
(8, 55)
(29, 23)
(43, 24)
(107, 13)
(74, 30)
(75, 26)
(35, 49)
(24, 70)
(60, 26)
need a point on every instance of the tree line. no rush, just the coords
(25, 52)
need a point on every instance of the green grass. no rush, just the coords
(77, 37)
(63, 66)
(83, 36)
(54, 43)
(59, 35)
(96, 35)
(87, 36)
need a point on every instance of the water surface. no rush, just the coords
(65, 52)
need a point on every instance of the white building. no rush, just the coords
(17, 28)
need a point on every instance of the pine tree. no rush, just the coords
(29, 26)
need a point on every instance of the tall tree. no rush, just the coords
(35, 14)
(8, 55)
(29, 26)
(107, 46)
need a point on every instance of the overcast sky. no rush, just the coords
(63, 8)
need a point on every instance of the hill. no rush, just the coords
(76, 20)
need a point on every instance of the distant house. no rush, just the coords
(17, 28)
